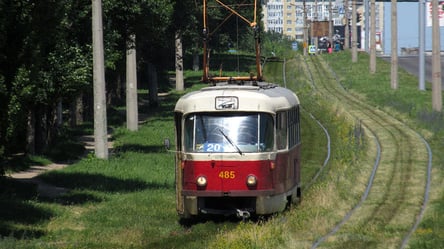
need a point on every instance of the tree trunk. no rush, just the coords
(76, 111)
(152, 85)
(30, 132)
(44, 119)
(100, 122)
(179, 62)
(59, 113)
(131, 86)
(195, 61)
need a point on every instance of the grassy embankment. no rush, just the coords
(412, 107)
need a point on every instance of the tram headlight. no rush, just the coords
(201, 181)
(251, 180)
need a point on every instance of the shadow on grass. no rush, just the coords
(74, 198)
(19, 162)
(139, 148)
(19, 217)
(98, 182)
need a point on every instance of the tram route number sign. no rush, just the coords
(213, 147)
(312, 49)
(227, 174)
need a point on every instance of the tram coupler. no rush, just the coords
(243, 214)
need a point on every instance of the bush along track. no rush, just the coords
(397, 192)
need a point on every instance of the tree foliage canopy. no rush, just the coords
(46, 54)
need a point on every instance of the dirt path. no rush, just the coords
(44, 189)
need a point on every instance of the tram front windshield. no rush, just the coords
(229, 132)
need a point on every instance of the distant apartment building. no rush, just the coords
(273, 16)
(287, 17)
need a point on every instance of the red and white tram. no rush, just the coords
(237, 150)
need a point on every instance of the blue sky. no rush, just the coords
(408, 28)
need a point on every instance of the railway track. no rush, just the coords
(398, 184)
(327, 156)
(327, 143)
(317, 127)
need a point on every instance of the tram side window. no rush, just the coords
(178, 120)
(293, 126)
(281, 130)
(266, 138)
(298, 125)
(189, 133)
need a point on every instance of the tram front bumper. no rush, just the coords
(262, 205)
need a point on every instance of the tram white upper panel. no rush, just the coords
(251, 98)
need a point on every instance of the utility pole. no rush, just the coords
(366, 25)
(354, 33)
(330, 23)
(436, 60)
(346, 29)
(316, 19)
(132, 119)
(421, 45)
(394, 45)
(372, 66)
(100, 132)
(305, 45)
(311, 25)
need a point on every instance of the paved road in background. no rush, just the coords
(411, 64)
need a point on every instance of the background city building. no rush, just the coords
(287, 17)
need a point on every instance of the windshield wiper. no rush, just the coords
(230, 141)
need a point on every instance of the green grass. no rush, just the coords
(128, 201)
(413, 107)
(21, 162)
(408, 101)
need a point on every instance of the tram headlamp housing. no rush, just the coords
(251, 181)
(201, 181)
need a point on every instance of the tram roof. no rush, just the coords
(257, 97)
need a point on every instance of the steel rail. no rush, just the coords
(369, 183)
(428, 178)
(429, 164)
(327, 135)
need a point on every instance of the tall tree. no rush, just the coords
(149, 21)
(179, 61)
(42, 66)
(184, 26)
(46, 59)
(131, 86)
(100, 121)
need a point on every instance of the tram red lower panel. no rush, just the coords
(227, 176)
